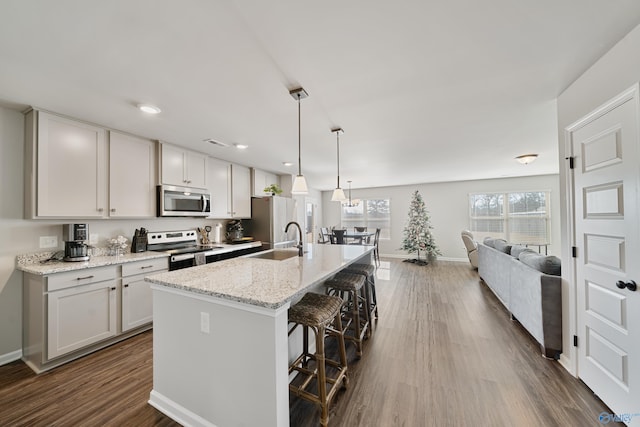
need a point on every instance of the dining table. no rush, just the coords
(359, 236)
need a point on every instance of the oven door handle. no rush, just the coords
(178, 258)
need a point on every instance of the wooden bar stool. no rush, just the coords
(369, 271)
(317, 312)
(354, 313)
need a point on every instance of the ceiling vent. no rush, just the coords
(218, 143)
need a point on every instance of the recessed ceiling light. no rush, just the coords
(149, 109)
(241, 146)
(287, 164)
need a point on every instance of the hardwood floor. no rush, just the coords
(444, 353)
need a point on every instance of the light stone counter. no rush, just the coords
(31, 263)
(221, 340)
(264, 282)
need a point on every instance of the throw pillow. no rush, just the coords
(517, 249)
(544, 264)
(488, 241)
(502, 246)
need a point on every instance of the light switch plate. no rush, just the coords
(204, 322)
(48, 242)
(93, 239)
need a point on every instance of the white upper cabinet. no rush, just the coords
(132, 173)
(72, 171)
(66, 168)
(219, 185)
(183, 167)
(241, 191)
(261, 179)
(230, 188)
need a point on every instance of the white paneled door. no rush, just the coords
(606, 177)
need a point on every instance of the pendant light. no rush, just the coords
(351, 203)
(299, 183)
(338, 194)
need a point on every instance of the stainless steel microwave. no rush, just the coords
(183, 201)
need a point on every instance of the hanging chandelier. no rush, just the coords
(338, 193)
(351, 203)
(299, 183)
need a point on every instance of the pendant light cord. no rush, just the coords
(338, 152)
(299, 143)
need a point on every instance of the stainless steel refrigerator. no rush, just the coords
(269, 217)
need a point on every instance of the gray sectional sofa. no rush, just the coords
(529, 286)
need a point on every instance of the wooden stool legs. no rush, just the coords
(313, 367)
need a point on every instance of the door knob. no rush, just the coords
(631, 285)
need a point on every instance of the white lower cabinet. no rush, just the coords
(80, 316)
(70, 314)
(137, 299)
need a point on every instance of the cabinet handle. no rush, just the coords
(113, 289)
(100, 210)
(84, 278)
(126, 286)
(146, 266)
(113, 209)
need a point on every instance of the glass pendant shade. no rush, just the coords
(338, 195)
(299, 185)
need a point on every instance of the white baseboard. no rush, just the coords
(405, 256)
(176, 411)
(10, 357)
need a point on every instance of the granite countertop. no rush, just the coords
(32, 263)
(263, 282)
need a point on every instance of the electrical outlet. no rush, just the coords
(204, 322)
(48, 242)
(93, 239)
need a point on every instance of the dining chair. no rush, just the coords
(376, 252)
(366, 240)
(338, 237)
(324, 235)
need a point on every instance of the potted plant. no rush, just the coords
(274, 189)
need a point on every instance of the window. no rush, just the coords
(518, 217)
(372, 213)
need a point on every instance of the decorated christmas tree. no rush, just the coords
(417, 232)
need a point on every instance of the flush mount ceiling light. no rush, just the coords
(338, 194)
(525, 159)
(241, 146)
(351, 203)
(149, 109)
(299, 183)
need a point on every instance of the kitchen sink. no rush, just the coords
(277, 255)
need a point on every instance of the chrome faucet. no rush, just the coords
(299, 246)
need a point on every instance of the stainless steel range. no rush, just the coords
(184, 250)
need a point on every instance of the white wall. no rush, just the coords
(20, 236)
(448, 206)
(615, 72)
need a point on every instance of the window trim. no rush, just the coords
(507, 215)
(365, 200)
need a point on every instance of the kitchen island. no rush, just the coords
(220, 344)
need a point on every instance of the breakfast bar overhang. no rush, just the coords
(220, 335)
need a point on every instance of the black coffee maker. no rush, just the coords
(75, 236)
